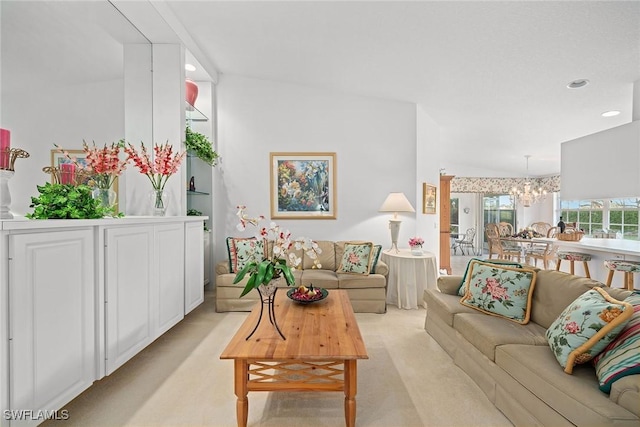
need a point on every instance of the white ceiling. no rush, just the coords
(492, 74)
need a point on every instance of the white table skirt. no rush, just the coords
(409, 276)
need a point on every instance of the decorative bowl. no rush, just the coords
(298, 297)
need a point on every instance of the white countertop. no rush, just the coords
(22, 223)
(617, 246)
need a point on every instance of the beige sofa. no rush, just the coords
(514, 366)
(368, 293)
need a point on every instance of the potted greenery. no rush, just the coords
(200, 145)
(64, 201)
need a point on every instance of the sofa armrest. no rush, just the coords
(626, 393)
(381, 268)
(449, 284)
(222, 267)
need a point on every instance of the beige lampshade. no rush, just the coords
(396, 202)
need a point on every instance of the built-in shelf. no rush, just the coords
(195, 115)
(196, 193)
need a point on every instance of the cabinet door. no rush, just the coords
(51, 312)
(129, 292)
(194, 266)
(169, 261)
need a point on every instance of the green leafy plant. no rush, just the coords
(200, 145)
(63, 201)
(193, 212)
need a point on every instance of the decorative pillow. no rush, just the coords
(461, 289)
(374, 258)
(586, 327)
(243, 250)
(356, 258)
(500, 291)
(622, 356)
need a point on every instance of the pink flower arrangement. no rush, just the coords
(103, 164)
(164, 164)
(416, 241)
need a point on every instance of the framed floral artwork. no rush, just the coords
(429, 198)
(303, 185)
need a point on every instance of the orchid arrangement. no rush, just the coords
(103, 165)
(416, 241)
(280, 261)
(164, 164)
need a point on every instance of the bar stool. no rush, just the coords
(628, 267)
(572, 257)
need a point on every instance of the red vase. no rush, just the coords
(191, 92)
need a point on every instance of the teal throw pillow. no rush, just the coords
(242, 250)
(622, 356)
(374, 258)
(586, 327)
(356, 258)
(461, 289)
(500, 291)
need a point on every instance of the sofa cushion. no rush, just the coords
(326, 258)
(500, 290)
(320, 278)
(463, 282)
(622, 356)
(242, 250)
(488, 332)
(555, 290)
(576, 397)
(359, 281)
(356, 258)
(586, 326)
(444, 306)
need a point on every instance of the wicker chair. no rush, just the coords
(496, 247)
(546, 253)
(541, 228)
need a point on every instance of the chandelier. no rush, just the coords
(526, 195)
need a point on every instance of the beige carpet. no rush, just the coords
(179, 380)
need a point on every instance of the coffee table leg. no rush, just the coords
(350, 389)
(241, 373)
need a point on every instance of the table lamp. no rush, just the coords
(396, 202)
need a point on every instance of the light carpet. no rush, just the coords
(179, 380)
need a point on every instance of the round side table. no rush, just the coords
(409, 276)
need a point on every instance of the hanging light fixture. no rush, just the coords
(526, 196)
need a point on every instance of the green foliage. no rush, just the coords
(262, 273)
(62, 201)
(200, 145)
(193, 212)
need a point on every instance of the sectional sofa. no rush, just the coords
(514, 365)
(367, 291)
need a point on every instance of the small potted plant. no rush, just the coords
(200, 145)
(65, 201)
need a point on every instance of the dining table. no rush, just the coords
(526, 243)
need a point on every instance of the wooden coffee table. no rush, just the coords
(320, 353)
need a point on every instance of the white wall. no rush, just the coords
(374, 140)
(62, 115)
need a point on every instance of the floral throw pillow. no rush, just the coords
(462, 288)
(586, 327)
(500, 291)
(622, 356)
(243, 250)
(356, 258)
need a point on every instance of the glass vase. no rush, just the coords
(416, 250)
(159, 201)
(105, 196)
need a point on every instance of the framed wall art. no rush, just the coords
(303, 185)
(429, 198)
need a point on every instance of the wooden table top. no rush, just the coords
(322, 330)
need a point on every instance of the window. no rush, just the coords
(623, 217)
(499, 208)
(619, 215)
(455, 222)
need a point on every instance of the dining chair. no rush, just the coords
(503, 251)
(545, 252)
(466, 241)
(553, 232)
(541, 228)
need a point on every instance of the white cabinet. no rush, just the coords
(129, 292)
(144, 281)
(194, 266)
(51, 317)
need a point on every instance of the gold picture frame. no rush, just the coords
(429, 198)
(57, 159)
(303, 185)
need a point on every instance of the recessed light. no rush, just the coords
(189, 67)
(611, 113)
(577, 84)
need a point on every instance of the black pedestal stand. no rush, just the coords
(269, 301)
